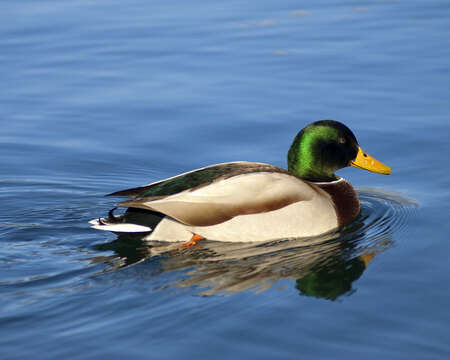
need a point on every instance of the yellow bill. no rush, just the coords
(367, 162)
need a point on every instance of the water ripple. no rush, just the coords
(323, 266)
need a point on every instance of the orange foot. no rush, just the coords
(194, 240)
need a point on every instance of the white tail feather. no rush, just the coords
(122, 227)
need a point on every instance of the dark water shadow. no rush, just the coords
(322, 267)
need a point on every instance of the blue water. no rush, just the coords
(97, 96)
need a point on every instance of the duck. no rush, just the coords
(244, 201)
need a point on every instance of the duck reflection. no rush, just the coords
(322, 267)
(335, 279)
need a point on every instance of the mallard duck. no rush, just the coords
(248, 201)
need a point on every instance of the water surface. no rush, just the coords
(101, 96)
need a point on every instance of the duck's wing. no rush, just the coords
(218, 193)
(195, 179)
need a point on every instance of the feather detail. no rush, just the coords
(220, 201)
(195, 179)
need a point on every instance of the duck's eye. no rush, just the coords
(341, 140)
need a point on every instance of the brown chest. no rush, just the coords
(345, 200)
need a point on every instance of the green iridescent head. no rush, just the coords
(326, 146)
